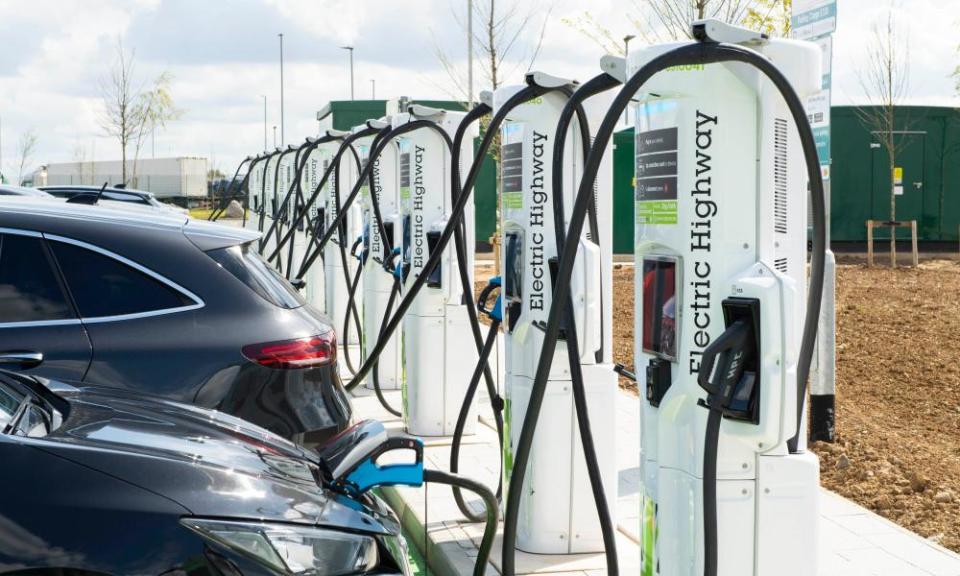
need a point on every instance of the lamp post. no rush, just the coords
(274, 135)
(626, 55)
(264, 96)
(470, 54)
(282, 134)
(373, 89)
(350, 49)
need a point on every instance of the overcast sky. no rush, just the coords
(223, 56)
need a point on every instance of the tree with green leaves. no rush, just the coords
(131, 111)
(658, 21)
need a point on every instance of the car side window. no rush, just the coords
(29, 288)
(103, 286)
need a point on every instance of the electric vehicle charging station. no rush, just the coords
(336, 276)
(558, 513)
(265, 216)
(254, 192)
(379, 283)
(438, 350)
(278, 179)
(316, 276)
(720, 272)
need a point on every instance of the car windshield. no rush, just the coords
(248, 267)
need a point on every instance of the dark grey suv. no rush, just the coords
(168, 305)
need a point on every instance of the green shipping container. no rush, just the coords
(929, 160)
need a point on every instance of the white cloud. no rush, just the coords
(223, 57)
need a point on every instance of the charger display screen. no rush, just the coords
(660, 307)
(513, 267)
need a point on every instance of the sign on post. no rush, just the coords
(816, 20)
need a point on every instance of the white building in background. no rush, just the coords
(165, 177)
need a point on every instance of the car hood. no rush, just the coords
(210, 463)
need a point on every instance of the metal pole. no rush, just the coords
(626, 55)
(264, 96)
(373, 89)
(469, 54)
(282, 134)
(274, 136)
(350, 49)
(823, 378)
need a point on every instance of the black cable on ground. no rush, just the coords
(492, 512)
(701, 53)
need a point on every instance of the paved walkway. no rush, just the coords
(854, 541)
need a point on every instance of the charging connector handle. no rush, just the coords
(723, 362)
(367, 474)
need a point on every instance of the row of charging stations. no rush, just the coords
(720, 292)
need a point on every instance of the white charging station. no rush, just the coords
(721, 224)
(438, 347)
(377, 282)
(265, 216)
(558, 513)
(254, 194)
(278, 182)
(336, 289)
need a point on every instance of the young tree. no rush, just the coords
(657, 21)
(884, 78)
(121, 115)
(155, 107)
(497, 42)
(130, 111)
(499, 48)
(26, 146)
(80, 157)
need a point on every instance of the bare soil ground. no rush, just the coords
(898, 391)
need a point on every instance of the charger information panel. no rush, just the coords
(656, 176)
(511, 166)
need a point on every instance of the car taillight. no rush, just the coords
(300, 353)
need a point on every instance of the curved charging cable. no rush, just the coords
(227, 198)
(495, 313)
(697, 53)
(456, 215)
(262, 209)
(574, 107)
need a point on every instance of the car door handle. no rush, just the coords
(21, 358)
